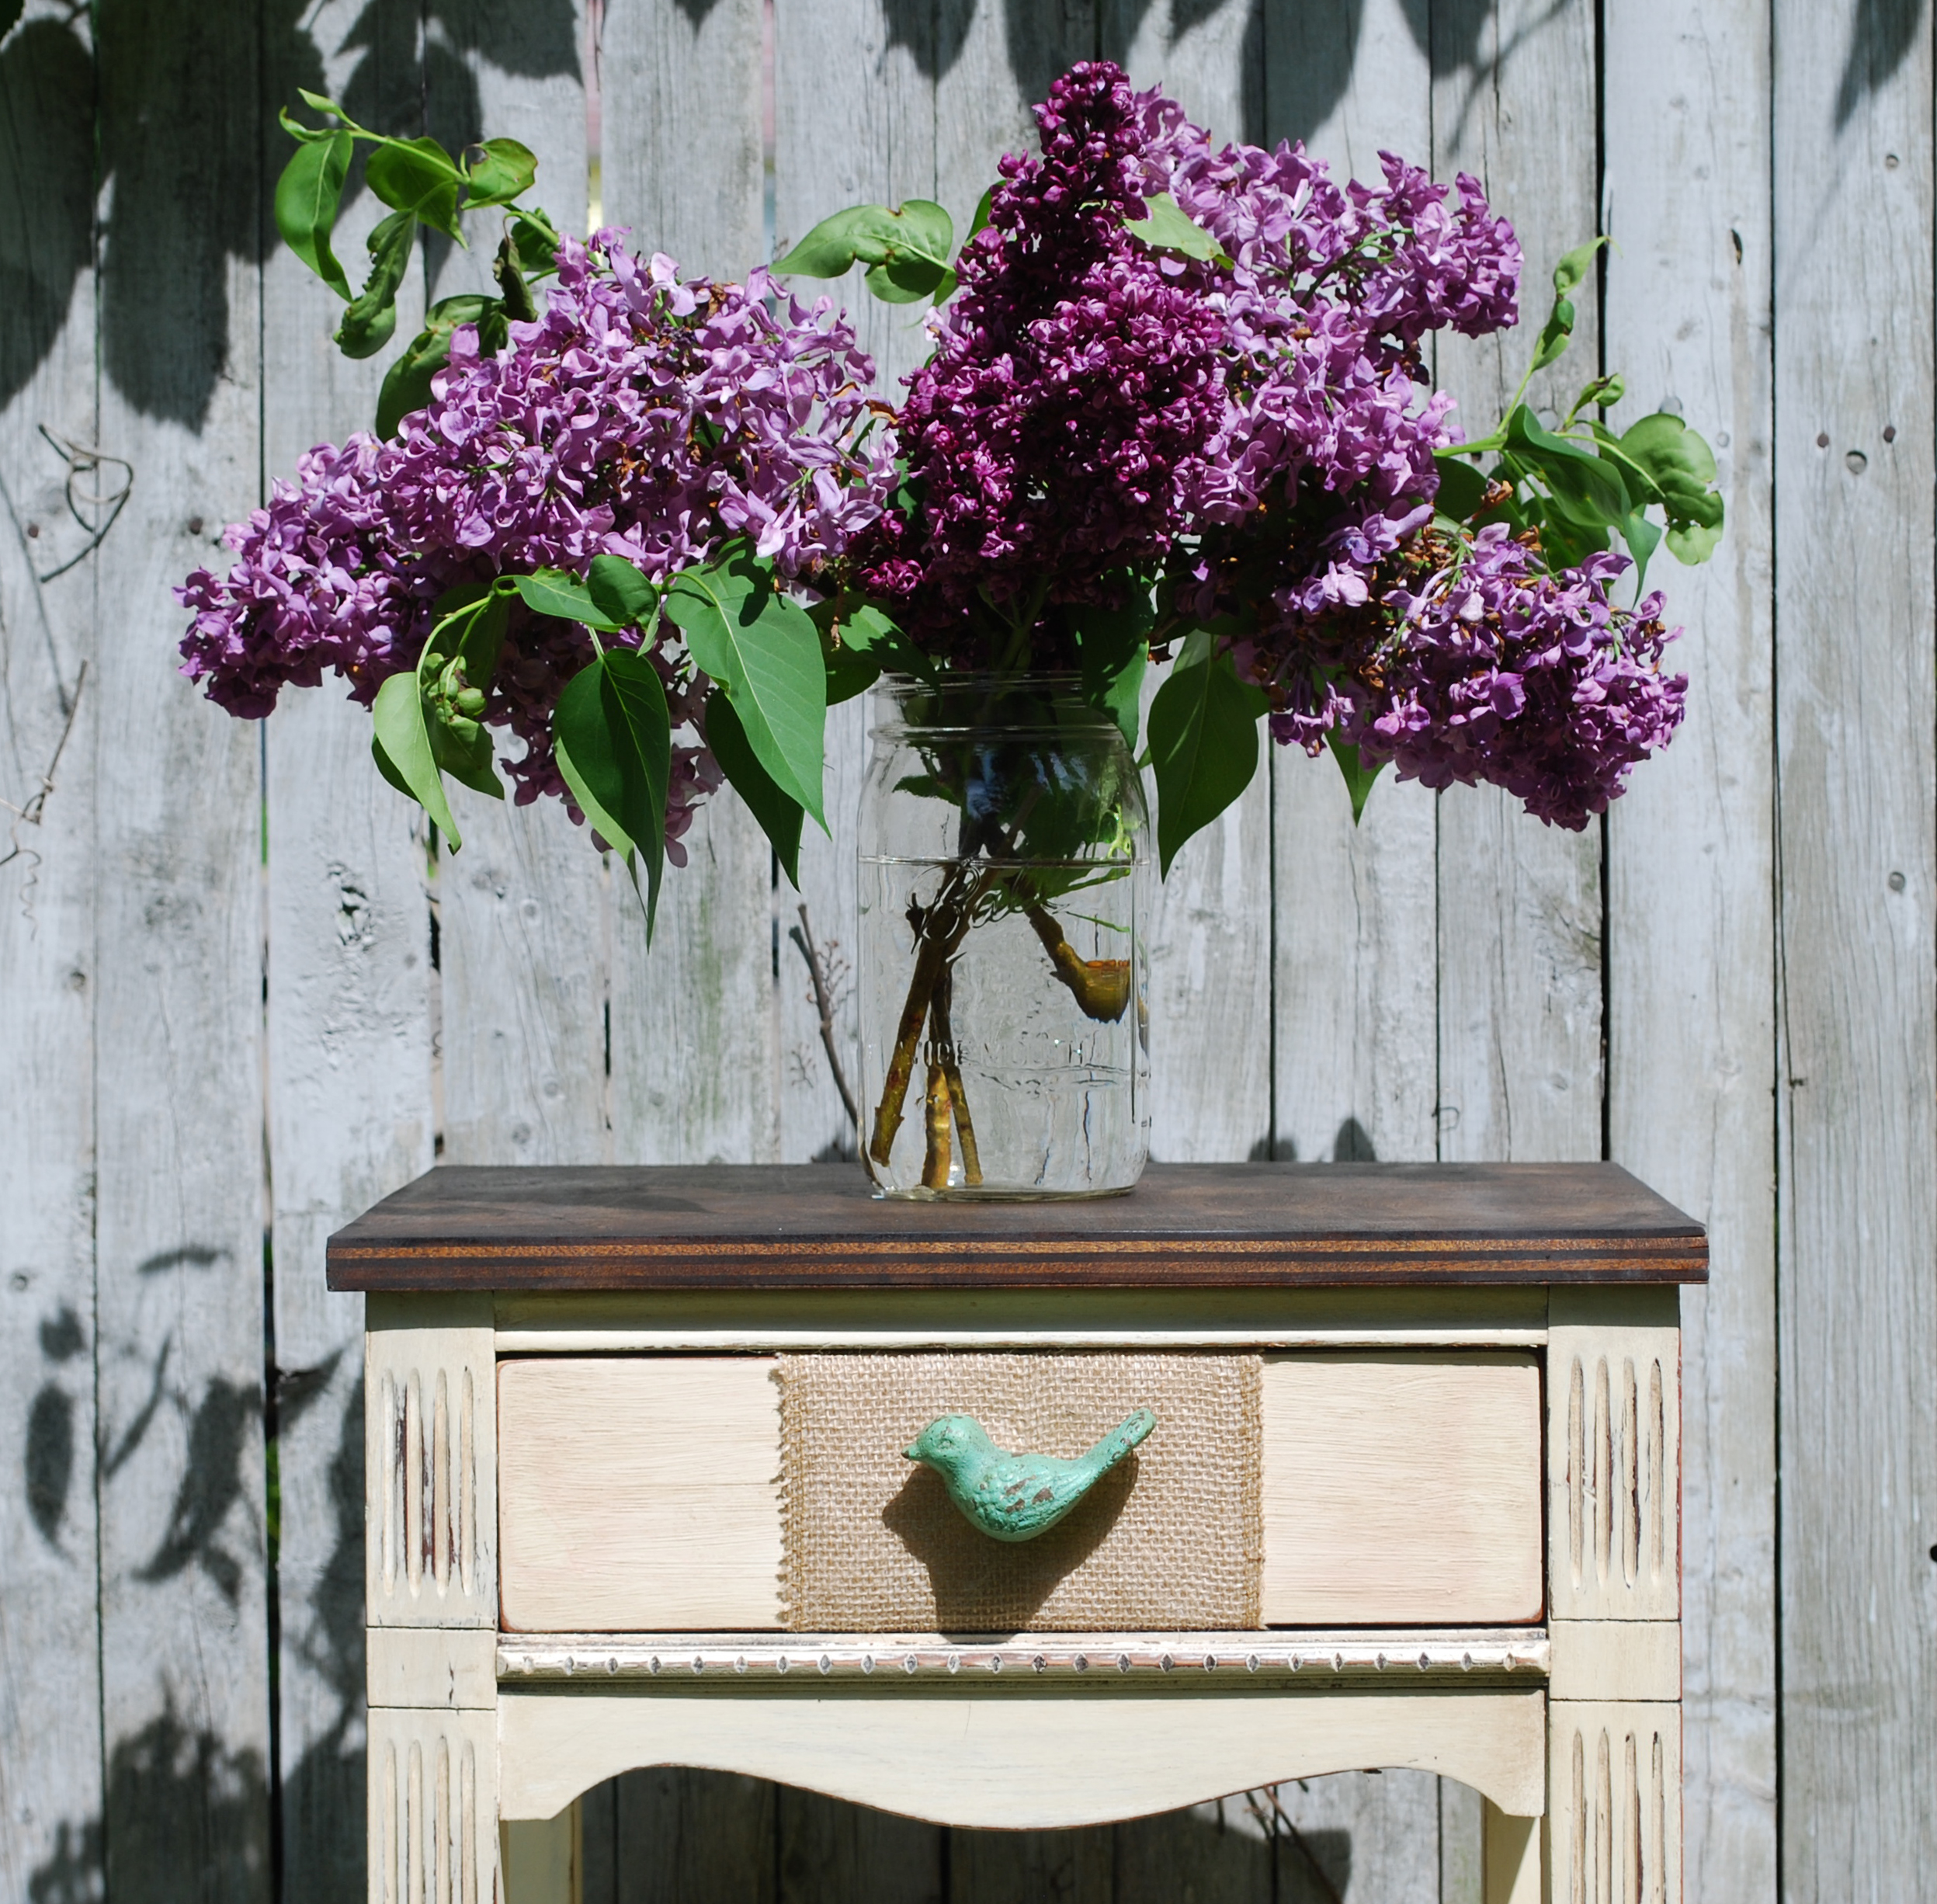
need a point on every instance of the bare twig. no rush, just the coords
(30, 813)
(82, 460)
(803, 937)
(1278, 1819)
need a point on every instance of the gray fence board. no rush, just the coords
(1691, 868)
(1520, 1065)
(1857, 875)
(50, 1769)
(180, 1217)
(347, 1021)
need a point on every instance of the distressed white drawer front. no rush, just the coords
(641, 1493)
(1402, 1489)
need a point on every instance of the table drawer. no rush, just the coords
(643, 1492)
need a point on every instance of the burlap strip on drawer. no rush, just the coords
(1172, 1537)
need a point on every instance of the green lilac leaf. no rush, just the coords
(1167, 227)
(1571, 273)
(620, 592)
(303, 134)
(1585, 488)
(371, 318)
(1358, 776)
(417, 176)
(536, 245)
(907, 280)
(588, 754)
(980, 220)
(1204, 744)
(320, 102)
(1682, 467)
(506, 169)
(766, 652)
(849, 671)
(406, 383)
(637, 710)
(779, 813)
(873, 235)
(556, 593)
(307, 197)
(1113, 645)
(1462, 489)
(404, 754)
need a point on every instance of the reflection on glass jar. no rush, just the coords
(1005, 881)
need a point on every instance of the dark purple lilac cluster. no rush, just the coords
(1253, 435)
(639, 416)
(1074, 377)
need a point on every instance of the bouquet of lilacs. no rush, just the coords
(1177, 410)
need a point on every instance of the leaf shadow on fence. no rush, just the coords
(181, 1801)
(161, 109)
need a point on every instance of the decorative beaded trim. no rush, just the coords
(1493, 1652)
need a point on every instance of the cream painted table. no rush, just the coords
(1469, 1439)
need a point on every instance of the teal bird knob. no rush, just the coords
(1015, 1497)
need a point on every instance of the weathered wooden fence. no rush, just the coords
(240, 997)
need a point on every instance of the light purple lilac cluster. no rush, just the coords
(1497, 671)
(639, 415)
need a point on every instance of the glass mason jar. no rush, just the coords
(1006, 906)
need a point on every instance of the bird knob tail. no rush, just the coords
(1121, 1439)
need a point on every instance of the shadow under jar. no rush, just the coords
(1005, 902)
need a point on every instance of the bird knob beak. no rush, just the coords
(909, 1455)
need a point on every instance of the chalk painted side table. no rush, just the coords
(1466, 1435)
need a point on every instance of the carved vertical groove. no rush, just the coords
(467, 1823)
(1657, 1821)
(431, 1458)
(1603, 1482)
(1616, 1771)
(1577, 1824)
(1613, 1501)
(440, 1484)
(1577, 1471)
(466, 1487)
(433, 1807)
(389, 1480)
(413, 1489)
(1631, 1471)
(1657, 1472)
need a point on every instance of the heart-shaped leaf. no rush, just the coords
(556, 592)
(919, 232)
(1462, 489)
(503, 169)
(402, 747)
(620, 592)
(1682, 467)
(1203, 743)
(779, 813)
(1167, 227)
(418, 176)
(765, 651)
(1114, 647)
(307, 197)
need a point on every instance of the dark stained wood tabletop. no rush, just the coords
(819, 1226)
